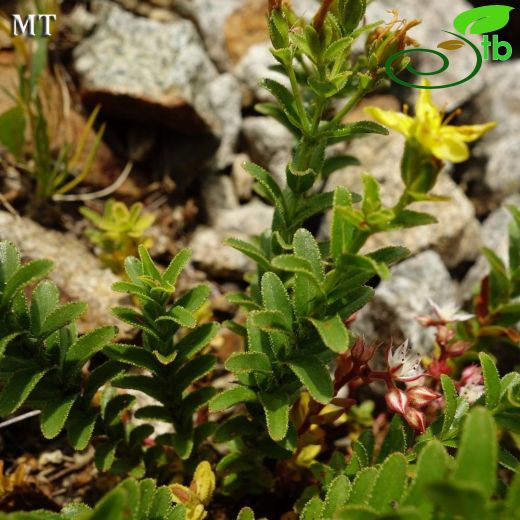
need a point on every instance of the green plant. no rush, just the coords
(55, 168)
(429, 449)
(118, 232)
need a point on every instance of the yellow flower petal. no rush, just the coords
(426, 111)
(470, 133)
(450, 147)
(395, 120)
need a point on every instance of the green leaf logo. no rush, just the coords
(451, 45)
(481, 20)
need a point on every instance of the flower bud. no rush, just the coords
(472, 374)
(457, 349)
(415, 419)
(420, 396)
(396, 400)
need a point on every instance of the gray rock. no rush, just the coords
(250, 219)
(224, 100)
(269, 144)
(242, 180)
(218, 195)
(77, 273)
(500, 102)
(502, 174)
(252, 68)
(212, 256)
(399, 300)
(436, 17)
(495, 237)
(143, 69)
(227, 221)
(455, 237)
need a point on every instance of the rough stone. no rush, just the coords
(269, 144)
(455, 237)
(242, 180)
(77, 273)
(400, 299)
(218, 195)
(250, 219)
(500, 101)
(212, 256)
(437, 18)
(224, 99)
(146, 70)
(230, 27)
(254, 67)
(495, 237)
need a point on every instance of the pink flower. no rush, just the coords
(415, 419)
(471, 392)
(420, 396)
(472, 374)
(396, 400)
(404, 364)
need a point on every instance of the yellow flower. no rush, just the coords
(431, 129)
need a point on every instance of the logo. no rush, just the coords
(480, 20)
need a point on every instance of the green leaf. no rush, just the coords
(284, 97)
(362, 486)
(271, 321)
(269, 185)
(337, 48)
(476, 461)
(18, 388)
(513, 498)
(450, 404)
(341, 229)
(390, 483)
(148, 265)
(62, 316)
(135, 356)
(338, 162)
(26, 274)
(314, 205)
(294, 264)
(275, 298)
(196, 340)
(176, 266)
(314, 375)
(312, 509)
(491, 380)
(135, 319)
(80, 428)
(232, 397)
(481, 20)
(337, 496)
(9, 261)
(106, 454)
(246, 362)
(181, 316)
(432, 466)
(84, 348)
(276, 408)
(407, 219)
(333, 333)
(55, 414)
(140, 383)
(389, 255)
(250, 251)
(44, 299)
(352, 130)
(458, 499)
(12, 130)
(194, 370)
(306, 247)
(246, 513)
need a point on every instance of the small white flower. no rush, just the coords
(471, 392)
(404, 364)
(449, 312)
